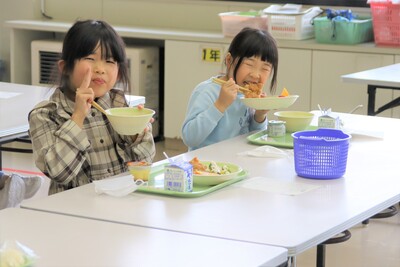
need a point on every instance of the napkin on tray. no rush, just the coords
(265, 152)
(117, 187)
(276, 186)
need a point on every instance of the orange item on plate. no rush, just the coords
(198, 167)
(284, 92)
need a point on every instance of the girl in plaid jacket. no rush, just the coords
(73, 143)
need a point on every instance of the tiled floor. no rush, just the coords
(374, 245)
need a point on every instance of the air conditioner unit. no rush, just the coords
(44, 55)
(143, 65)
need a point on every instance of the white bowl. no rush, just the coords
(129, 120)
(270, 102)
(295, 120)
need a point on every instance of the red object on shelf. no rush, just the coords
(386, 22)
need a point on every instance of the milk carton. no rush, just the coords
(179, 177)
(329, 120)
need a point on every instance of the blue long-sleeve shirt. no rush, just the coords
(205, 124)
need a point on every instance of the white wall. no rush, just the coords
(201, 15)
(10, 10)
(178, 14)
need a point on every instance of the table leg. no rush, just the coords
(291, 261)
(342, 237)
(23, 139)
(392, 104)
(371, 100)
(320, 255)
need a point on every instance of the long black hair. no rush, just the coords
(82, 39)
(251, 42)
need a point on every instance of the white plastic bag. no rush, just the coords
(117, 187)
(15, 254)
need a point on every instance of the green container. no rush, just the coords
(343, 32)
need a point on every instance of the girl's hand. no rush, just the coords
(260, 115)
(84, 96)
(227, 95)
(141, 106)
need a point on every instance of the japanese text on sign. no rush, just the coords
(211, 55)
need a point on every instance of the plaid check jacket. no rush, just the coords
(71, 156)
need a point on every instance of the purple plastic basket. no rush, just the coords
(320, 154)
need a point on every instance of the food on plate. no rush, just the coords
(284, 93)
(211, 168)
(197, 165)
(255, 90)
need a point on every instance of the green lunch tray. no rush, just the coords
(262, 138)
(156, 185)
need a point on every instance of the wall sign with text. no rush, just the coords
(212, 54)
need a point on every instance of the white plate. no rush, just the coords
(213, 179)
(270, 102)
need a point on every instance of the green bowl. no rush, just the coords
(295, 120)
(129, 120)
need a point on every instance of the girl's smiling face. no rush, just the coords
(104, 72)
(253, 70)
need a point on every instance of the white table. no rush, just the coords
(60, 240)
(17, 100)
(134, 100)
(250, 210)
(387, 77)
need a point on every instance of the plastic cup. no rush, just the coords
(140, 170)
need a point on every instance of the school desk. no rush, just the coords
(387, 77)
(273, 206)
(59, 240)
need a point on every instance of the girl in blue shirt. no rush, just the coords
(215, 112)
